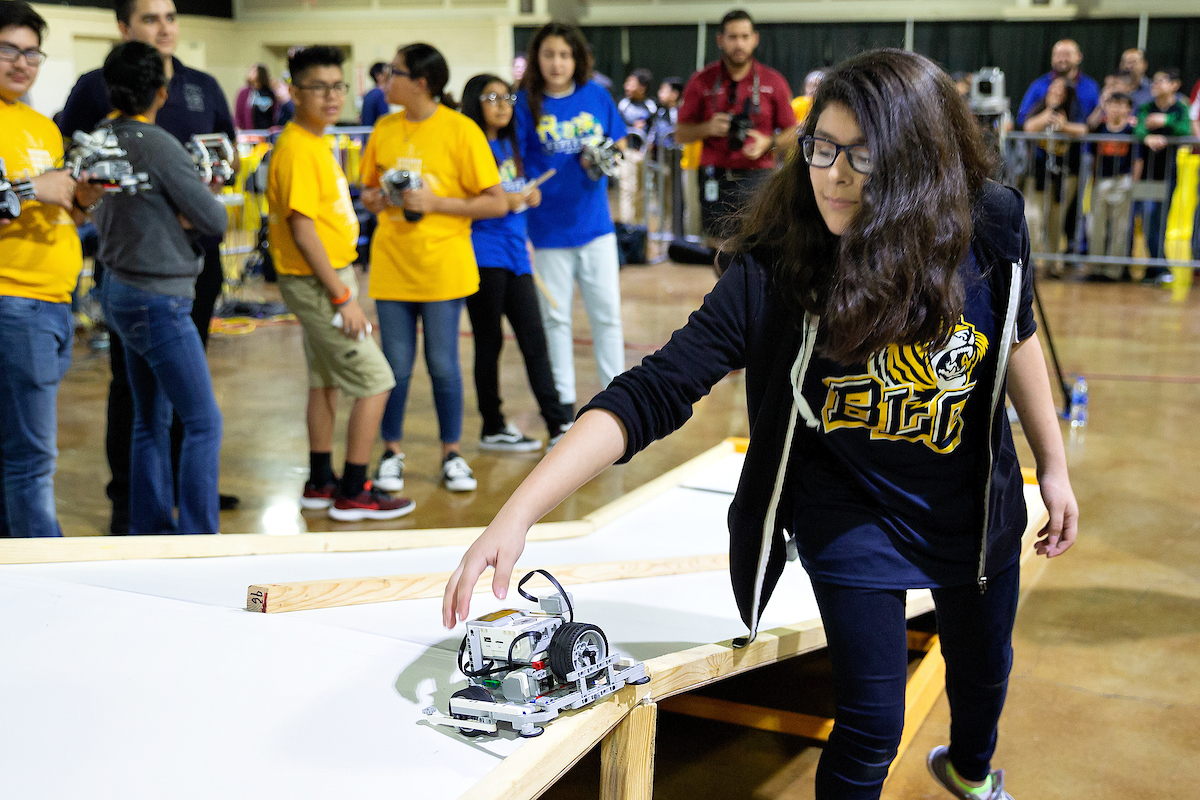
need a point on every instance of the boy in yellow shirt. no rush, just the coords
(313, 232)
(40, 260)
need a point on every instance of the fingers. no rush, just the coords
(502, 577)
(449, 599)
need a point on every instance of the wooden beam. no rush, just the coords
(627, 756)
(307, 595)
(116, 548)
(750, 716)
(538, 763)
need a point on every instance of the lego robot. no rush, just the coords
(102, 157)
(525, 667)
(13, 194)
(213, 155)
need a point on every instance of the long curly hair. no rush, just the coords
(892, 276)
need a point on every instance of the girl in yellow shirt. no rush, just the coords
(422, 262)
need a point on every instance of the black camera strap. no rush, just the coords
(731, 99)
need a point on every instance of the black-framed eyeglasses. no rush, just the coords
(394, 72)
(495, 99)
(10, 53)
(821, 153)
(338, 89)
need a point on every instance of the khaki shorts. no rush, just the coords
(334, 359)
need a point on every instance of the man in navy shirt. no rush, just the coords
(375, 103)
(195, 104)
(1065, 59)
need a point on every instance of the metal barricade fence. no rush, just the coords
(1106, 202)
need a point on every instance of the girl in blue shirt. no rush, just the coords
(506, 280)
(558, 112)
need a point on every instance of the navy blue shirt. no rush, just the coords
(500, 242)
(885, 494)
(574, 208)
(195, 104)
(375, 105)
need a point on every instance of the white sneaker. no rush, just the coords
(390, 476)
(562, 430)
(509, 440)
(456, 475)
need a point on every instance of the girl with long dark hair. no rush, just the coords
(880, 304)
(422, 262)
(559, 111)
(506, 286)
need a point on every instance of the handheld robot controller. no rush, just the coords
(524, 667)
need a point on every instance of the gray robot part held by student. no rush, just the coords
(525, 667)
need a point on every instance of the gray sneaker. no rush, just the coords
(938, 762)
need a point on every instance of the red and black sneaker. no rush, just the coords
(371, 503)
(316, 497)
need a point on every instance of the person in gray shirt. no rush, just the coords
(148, 243)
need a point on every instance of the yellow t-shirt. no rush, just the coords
(429, 260)
(40, 256)
(801, 105)
(305, 178)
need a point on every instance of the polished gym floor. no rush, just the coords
(1105, 695)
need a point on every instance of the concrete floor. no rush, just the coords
(1105, 696)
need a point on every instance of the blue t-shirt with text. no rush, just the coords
(574, 208)
(500, 241)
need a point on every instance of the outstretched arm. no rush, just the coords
(594, 442)
(1029, 390)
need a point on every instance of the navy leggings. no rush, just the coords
(868, 649)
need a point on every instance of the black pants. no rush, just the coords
(723, 194)
(501, 293)
(868, 649)
(119, 434)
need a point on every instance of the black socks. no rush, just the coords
(353, 479)
(320, 468)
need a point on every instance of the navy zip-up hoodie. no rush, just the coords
(745, 324)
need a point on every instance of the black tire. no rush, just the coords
(472, 693)
(575, 645)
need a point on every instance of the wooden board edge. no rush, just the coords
(668, 480)
(117, 548)
(539, 762)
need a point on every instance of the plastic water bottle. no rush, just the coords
(1079, 403)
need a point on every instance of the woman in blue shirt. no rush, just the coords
(506, 286)
(880, 305)
(559, 111)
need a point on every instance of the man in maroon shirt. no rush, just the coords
(742, 111)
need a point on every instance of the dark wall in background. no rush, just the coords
(204, 8)
(1021, 49)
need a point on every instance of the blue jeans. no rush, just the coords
(398, 334)
(35, 351)
(868, 649)
(167, 370)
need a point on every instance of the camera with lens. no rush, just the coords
(395, 182)
(740, 125)
(11, 194)
(988, 97)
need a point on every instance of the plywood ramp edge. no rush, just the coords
(112, 548)
(115, 548)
